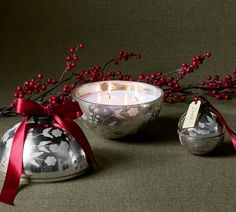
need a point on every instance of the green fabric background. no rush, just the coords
(149, 171)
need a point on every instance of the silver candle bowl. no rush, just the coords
(50, 154)
(116, 121)
(207, 134)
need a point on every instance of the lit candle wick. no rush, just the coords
(109, 95)
(109, 90)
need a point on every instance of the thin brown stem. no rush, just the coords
(172, 72)
(107, 63)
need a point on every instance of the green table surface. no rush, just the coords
(150, 171)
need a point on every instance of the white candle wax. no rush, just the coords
(118, 97)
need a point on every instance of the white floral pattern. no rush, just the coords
(54, 148)
(132, 111)
(50, 161)
(56, 133)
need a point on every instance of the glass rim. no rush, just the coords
(73, 93)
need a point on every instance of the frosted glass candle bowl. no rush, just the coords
(115, 109)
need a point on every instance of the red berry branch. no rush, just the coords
(44, 89)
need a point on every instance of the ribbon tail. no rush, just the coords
(229, 130)
(232, 134)
(15, 166)
(72, 128)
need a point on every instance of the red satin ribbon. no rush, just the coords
(63, 115)
(232, 134)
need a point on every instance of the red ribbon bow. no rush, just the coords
(63, 115)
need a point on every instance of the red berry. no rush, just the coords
(54, 98)
(218, 97)
(138, 56)
(26, 88)
(125, 56)
(170, 101)
(36, 86)
(227, 77)
(54, 81)
(75, 58)
(226, 85)
(68, 68)
(11, 105)
(202, 83)
(176, 96)
(141, 77)
(194, 64)
(29, 92)
(159, 74)
(109, 73)
(183, 98)
(92, 78)
(68, 58)
(189, 69)
(120, 77)
(49, 80)
(32, 80)
(209, 77)
(182, 72)
(43, 87)
(31, 84)
(216, 77)
(118, 73)
(16, 95)
(21, 95)
(166, 96)
(177, 86)
(61, 98)
(40, 76)
(81, 45)
(72, 86)
(121, 53)
(36, 91)
(208, 54)
(18, 88)
(210, 84)
(195, 99)
(73, 65)
(72, 50)
(115, 62)
(226, 97)
(153, 76)
(213, 92)
(234, 71)
(54, 102)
